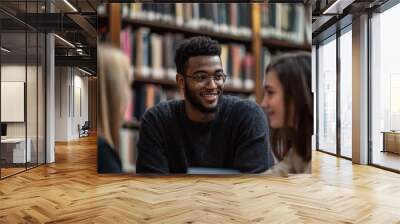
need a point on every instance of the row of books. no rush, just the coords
(291, 22)
(230, 18)
(152, 56)
(285, 21)
(238, 65)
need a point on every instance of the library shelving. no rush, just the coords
(249, 35)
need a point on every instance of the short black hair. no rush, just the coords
(195, 46)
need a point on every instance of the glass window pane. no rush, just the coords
(327, 96)
(31, 97)
(13, 86)
(385, 86)
(32, 9)
(23, 81)
(346, 94)
(41, 99)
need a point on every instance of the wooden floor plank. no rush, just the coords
(70, 191)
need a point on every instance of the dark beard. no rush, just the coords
(191, 97)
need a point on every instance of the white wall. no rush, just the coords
(12, 101)
(61, 103)
(13, 73)
(80, 100)
(71, 94)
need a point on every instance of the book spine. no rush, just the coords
(248, 71)
(233, 18)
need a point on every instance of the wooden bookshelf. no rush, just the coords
(115, 24)
(157, 26)
(163, 27)
(256, 49)
(255, 44)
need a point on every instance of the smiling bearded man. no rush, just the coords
(206, 129)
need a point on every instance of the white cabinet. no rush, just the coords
(18, 149)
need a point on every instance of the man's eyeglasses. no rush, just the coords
(219, 78)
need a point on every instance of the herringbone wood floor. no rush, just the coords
(70, 191)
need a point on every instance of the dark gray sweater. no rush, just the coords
(237, 138)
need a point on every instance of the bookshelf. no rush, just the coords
(273, 43)
(159, 27)
(255, 38)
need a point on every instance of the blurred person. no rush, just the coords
(288, 103)
(206, 129)
(114, 81)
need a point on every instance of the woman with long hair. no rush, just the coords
(288, 103)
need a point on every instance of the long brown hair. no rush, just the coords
(294, 73)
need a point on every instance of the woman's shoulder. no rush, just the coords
(298, 165)
(107, 158)
(292, 163)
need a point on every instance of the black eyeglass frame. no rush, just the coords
(200, 79)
